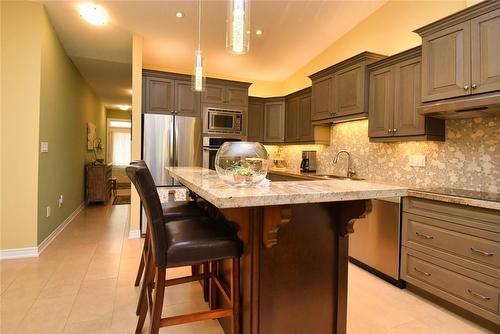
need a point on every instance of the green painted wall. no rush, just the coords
(119, 114)
(66, 105)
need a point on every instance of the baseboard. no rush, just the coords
(134, 234)
(17, 253)
(47, 241)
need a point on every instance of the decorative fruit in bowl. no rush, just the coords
(242, 164)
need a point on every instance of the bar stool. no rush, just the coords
(180, 243)
(171, 211)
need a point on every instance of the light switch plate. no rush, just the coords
(44, 147)
(417, 160)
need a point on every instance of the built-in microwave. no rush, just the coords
(223, 121)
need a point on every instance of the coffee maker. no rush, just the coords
(308, 163)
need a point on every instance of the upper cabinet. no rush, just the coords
(340, 92)
(460, 53)
(285, 120)
(225, 94)
(274, 121)
(393, 100)
(255, 129)
(167, 93)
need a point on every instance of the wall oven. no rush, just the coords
(223, 121)
(210, 147)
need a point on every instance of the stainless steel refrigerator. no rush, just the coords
(170, 140)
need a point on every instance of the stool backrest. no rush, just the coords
(144, 183)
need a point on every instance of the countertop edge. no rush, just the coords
(478, 203)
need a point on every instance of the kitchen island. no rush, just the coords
(295, 235)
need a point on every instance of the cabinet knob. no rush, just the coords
(466, 87)
(389, 130)
(394, 130)
(474, 86)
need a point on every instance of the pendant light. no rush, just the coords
(198, 81)
(238, 26)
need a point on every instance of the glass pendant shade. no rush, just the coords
(198, 79)
(238, 26)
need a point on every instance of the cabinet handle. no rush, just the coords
(474, 86)
(480, 252)
(421, 271)
(478, 295)
(466, 87)
(389, 130)
(425, 236)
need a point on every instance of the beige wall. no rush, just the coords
(258, 87)
(21, 64)
(387, 31)
(44, 99)
(136, 124)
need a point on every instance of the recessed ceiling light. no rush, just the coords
(258, 32)
(179, 15)
(123, 107)
(93, 14)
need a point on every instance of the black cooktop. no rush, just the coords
(481, 195)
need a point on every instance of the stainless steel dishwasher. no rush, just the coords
(375, 244)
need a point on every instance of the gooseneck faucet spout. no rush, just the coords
(350, 170)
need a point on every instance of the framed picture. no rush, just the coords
(91, 135)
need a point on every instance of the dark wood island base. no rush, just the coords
(294, 266)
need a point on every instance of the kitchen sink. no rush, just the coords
(338, 177)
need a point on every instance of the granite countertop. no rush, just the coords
(207, 184)
(457, 196)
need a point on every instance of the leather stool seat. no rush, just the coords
(199, 240)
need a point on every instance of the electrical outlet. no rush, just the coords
(44, 147)
(48, 211)
(61, 200)
(417, 160)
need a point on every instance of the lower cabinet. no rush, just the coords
(98, 183)
(394, 95)
(453, 252)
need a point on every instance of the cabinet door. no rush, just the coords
(255, 121)
(187, 101)
(305, 123)
(407, 121)
(446, 63)
(274, 122)
(485, 39)
(322, 99)
(159, 95)
(349, 92)
(381, 102)
(236, 96)
(214, 94)
(292, 120)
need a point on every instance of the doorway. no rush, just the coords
(119, 148)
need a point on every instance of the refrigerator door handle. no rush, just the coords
(173, 147)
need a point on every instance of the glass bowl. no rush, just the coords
(242, 163)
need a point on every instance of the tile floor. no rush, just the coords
(83, 283)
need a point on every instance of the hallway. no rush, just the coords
(83, 283)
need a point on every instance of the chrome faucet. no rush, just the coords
(350, 170)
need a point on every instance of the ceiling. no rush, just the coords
(294, 32)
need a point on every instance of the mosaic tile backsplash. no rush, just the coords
(468, 159)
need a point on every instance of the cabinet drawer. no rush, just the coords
(466, 288)
(485, 219)
(480, 246)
